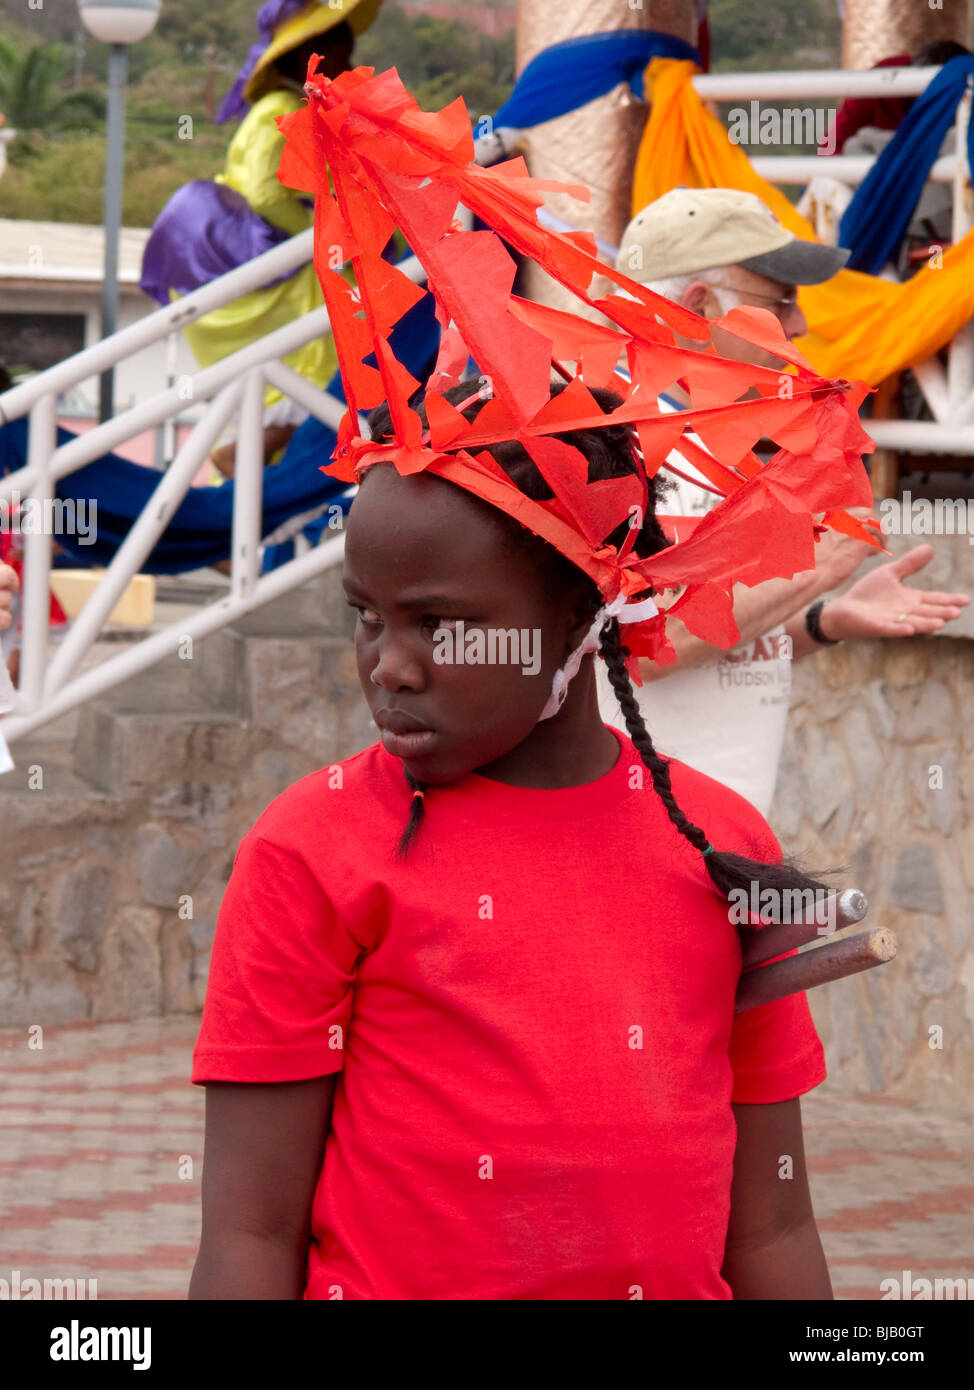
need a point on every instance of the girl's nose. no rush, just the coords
(397, 668)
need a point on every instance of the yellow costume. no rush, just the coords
(251, 169)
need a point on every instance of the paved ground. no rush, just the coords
(101, 1141)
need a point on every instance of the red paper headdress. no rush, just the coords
(393, 165)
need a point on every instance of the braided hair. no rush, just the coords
(610, 453)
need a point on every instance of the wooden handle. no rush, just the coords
(809, 969)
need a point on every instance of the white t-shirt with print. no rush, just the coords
(727, 717)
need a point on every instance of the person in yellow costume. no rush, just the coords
(212, 226)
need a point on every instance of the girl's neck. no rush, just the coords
(571, 748)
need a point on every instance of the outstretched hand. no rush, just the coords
(882, 605)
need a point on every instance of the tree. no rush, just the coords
(31, 94)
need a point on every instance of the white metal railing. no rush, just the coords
(948, 393)
(234, 386)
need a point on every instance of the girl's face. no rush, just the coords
(437, 584)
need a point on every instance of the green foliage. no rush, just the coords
(439, 60)
(168, 76)
(42, 167)
(32, 95)
(768, 35)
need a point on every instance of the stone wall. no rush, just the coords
(878, 774)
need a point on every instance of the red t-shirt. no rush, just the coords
(534, 1018)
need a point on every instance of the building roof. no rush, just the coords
(66, 252)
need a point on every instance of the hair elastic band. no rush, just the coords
(709, 849)
(421, 794)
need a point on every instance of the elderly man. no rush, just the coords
(725, 712)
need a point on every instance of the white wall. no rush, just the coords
(139, 376)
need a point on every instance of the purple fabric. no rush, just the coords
(204, 230)
(269, 16)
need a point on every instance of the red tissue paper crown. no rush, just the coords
(391, 165)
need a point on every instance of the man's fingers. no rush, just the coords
(913, 626)
(936, 610)
(912, 561)
(952, 600)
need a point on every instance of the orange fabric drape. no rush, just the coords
(859, 325)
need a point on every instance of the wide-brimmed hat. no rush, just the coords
(285, 25)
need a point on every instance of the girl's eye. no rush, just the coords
(433, 623)
(366, 615)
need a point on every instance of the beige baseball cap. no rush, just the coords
(691, 229)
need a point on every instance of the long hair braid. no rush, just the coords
(728, 871)
(417, 809)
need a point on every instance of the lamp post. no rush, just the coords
(117, 23)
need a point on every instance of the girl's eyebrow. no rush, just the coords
(428, 601)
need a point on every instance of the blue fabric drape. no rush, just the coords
(876, 220)
(571, 74)
(199, 532)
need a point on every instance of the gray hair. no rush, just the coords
(674, 287)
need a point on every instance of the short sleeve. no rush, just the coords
(775, 1052)
(279, 995)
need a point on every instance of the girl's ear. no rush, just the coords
(582, 611)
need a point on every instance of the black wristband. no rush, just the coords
(813, 628)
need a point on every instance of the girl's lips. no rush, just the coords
(411, 745)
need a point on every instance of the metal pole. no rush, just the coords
(875, 29)
(248, 479)
(41, 440)
(597, 144)
(960, 355)
(114, 152)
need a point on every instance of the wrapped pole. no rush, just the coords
(877, 29)
(597, 144)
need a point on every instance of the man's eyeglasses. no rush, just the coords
(780, 304)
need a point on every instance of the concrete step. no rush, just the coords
(45, 791)
(126, 738)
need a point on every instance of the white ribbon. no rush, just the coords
(618, 608)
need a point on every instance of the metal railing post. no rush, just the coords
(42, 441)
(248, 478)
(960, 354)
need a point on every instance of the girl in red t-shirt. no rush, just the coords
(300, 1201)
